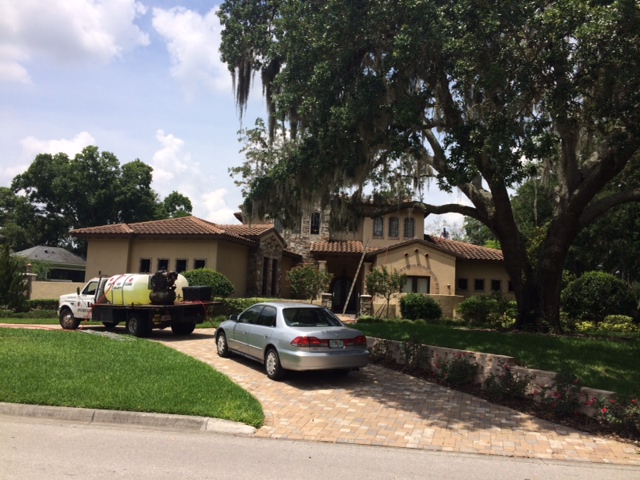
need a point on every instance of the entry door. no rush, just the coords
(340, 291)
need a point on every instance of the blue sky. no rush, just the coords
(142, 79)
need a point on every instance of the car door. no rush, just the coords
(246, 321)
(261, 332)
(87, 298)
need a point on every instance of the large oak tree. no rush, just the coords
(478, 95)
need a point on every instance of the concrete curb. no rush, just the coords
(115, 417)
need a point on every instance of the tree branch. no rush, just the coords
(603, 205)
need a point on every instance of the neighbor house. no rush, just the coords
(62, 265)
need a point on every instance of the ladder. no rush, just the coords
(355, 278)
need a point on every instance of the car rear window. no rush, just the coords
(310, 317)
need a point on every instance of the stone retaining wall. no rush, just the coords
(428, 356)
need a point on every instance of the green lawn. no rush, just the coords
(608, 364)
(71, 368)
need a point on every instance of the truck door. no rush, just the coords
(86, 298)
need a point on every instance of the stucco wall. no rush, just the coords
(367, 228)
(173, 250)
(232, 262)
(421, 261)
(107, 255)
(53, 290)
(487, 271)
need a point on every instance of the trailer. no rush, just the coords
(120, 299)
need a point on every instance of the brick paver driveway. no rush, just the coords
(377, 406)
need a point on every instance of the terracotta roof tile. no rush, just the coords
(183, 226)
(337, 247)
(249, 231)
(466, 251)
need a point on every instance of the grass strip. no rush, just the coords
(608, 364)
(65, 368)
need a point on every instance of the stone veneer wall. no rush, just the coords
(300, 243)
(487, 364)
(271, 249)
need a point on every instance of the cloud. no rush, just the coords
(174, 170)
(32, 146)
(193, 41)
(65, 31)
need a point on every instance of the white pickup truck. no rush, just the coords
(96, 302)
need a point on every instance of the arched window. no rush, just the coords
(394, 229)
(409, 227)
(378, 227)
(315, 223)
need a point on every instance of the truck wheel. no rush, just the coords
(138, 327)
(67, 320)
(272, 365)
(183, 328)
(221, 344)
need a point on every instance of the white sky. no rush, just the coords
(141, 79)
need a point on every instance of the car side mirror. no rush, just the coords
(233, 317)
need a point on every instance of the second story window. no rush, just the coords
(315, 223)
(393, 227)
(409, 227)
(378, 227)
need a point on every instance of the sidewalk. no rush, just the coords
(377, 406)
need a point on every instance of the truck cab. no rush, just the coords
(75, 307)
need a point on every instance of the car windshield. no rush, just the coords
(310, 317)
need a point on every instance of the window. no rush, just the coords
(394, 228)
(265, 276)
(378, 227)
(181, 265)
(278, 225)
(251, 315)
(409, 227)
(510, 286)
(315, 223)
(463, 284)
(496, 285)
(417, 285)
(199, 263)
(267, 317)
(274, 277)
(145, 265)
(163, 265)
(90, 289)
(478, 285)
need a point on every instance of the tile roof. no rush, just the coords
(249, 231)
(466, 251)
(183, 226)
(337, 247)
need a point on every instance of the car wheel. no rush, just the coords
(138, 327)
(67, 320)
(272, 365)
(183, 328)
(222, 346)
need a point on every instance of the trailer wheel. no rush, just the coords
(221, 344)
(139, 327)
(67, 320)
(183, 328)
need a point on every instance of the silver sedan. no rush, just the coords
(292, 336)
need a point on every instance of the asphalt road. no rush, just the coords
(36, 448)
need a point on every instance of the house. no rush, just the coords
(253, 257)
(447, 270)
(63, 265)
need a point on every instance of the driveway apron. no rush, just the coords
(377, 406)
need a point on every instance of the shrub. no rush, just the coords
(384, 283)
(622, 415)
(415, 305)
(233, 306)
(506, 385)
(455, 372)
(595, 295)
(477, 309)
(50, 304)
(308, 281)
(618, 323)
(562, 396)
(220, 285)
